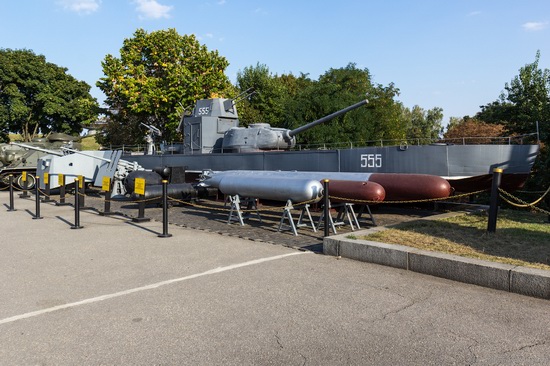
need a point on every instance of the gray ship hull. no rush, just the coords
(466, 167)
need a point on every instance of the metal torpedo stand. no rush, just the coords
(251, 206)
(288, 215)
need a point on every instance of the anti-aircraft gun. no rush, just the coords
(150, 137)
(214, 128)
(16, 158)
(93, 166)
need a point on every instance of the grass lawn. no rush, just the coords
(89, 143)
(521, 238)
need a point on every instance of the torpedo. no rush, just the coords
(348, 190)
(271, 187)
(406, 187)
(397, 186)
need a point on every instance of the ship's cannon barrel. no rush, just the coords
(305, 127)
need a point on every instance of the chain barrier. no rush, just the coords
(537, 200)
(522, 204)
(345, 199)
(507, 197)
(242, 210)
(116, 200)
(351, 200)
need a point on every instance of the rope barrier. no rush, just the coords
(19, 189)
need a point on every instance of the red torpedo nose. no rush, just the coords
(403, 187)
(345, 190)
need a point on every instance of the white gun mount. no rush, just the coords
(92, 165)
(150, 137)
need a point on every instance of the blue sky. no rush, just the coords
(453, 54)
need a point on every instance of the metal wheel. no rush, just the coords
(31, 181)
(5, 179)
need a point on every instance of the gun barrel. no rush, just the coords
(121, 162)
(326, 118)
(52, 152)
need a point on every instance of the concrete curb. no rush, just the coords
(521, 280)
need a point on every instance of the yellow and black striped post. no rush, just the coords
(61, 183)
(25, 181)
(139, 190)
(107, 187)
(47, 191)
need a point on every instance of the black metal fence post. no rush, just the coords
(11, 194)
(493, 205)
(81, 190)
(326, 206)
(165, 210)
(37, 198)
(76, 207)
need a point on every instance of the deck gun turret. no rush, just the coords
(261, 136)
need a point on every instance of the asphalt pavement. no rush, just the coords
(113, 292)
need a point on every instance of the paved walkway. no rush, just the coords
(113, 292)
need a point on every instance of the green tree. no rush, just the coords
(524, 102)
(337, 89)
(155, 74)
(291, 101)
(37, 97)
(271, 94)
(423, 125)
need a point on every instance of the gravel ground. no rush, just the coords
(212, 216)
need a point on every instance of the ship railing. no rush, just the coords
(177, 147)
(474, 140)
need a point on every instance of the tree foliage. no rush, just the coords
(423, 125)
(155, 74)
(267, 102)
(37, 97)
(334, 90)
(473, 131)
(291, 101)
(524, 102)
